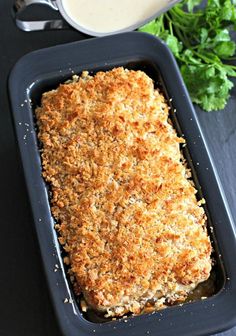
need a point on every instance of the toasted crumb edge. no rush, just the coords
(67, 120)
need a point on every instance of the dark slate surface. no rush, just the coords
(25, 307)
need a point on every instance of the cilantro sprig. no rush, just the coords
(200, 39)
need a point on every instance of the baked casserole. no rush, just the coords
(123, 199)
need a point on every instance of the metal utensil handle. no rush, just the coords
(20, 6)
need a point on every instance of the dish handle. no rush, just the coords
(25, 25)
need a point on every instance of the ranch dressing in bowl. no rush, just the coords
(104, 17)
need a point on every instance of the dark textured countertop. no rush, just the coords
(25, 307)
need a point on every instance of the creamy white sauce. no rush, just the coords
(104, 16)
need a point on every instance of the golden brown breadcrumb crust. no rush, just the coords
(127, 211)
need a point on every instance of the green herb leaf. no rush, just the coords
(203, 35)
(192, 3)
(200, 39)
(208, 86)
(225, 49)
(173, 43)
(228, 11)
(152, 27)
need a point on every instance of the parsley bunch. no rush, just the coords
(200, 39)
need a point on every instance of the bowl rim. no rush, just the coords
(87, 31)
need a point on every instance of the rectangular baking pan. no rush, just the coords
(43, 70)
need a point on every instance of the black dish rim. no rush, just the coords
(37, 72)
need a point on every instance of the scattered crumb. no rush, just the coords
(83, 306)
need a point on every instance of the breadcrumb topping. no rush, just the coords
(122, 196)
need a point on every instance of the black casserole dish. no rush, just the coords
(43, 70)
